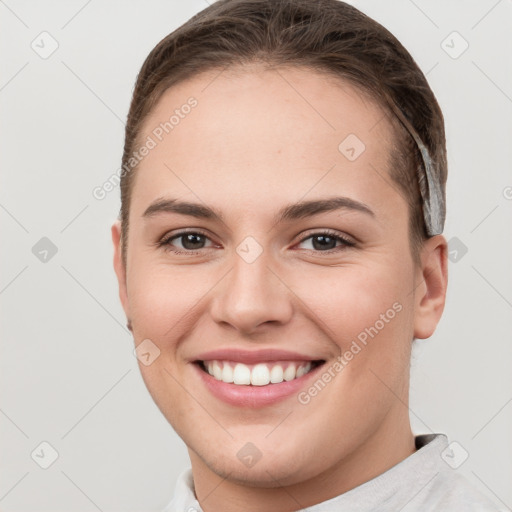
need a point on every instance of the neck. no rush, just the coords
(390, 444)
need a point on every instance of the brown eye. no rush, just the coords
(192, 241)
(326, 241)
(185, 242)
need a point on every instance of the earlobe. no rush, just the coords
(119, 266)
(431, 285)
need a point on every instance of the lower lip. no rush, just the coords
(253, 396)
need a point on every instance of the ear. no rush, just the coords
(431, 283)
(119, 266)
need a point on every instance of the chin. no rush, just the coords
(263, 475)
(268, 468)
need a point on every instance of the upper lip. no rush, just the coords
(253, 356)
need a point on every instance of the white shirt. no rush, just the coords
(421, 482)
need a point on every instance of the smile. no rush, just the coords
(255, 378)
(261, 374)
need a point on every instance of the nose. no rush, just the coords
(252, 295)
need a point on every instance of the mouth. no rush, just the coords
(261, 374)
(255, 378)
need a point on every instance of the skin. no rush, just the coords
(251, 146)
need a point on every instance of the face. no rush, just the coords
(268, 245)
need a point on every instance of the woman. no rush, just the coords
(278, 251)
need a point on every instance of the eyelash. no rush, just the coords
(165, 242)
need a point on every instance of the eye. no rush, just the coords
(326, 241)
(189, 241)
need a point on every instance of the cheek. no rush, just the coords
(162, 301)
(348, 301)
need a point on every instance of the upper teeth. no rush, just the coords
(260, 374)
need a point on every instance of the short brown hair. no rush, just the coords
(328, 36)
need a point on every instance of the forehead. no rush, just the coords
(279, 131)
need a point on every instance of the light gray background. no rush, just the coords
(67, 372)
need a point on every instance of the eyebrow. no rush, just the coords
(292, 211)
